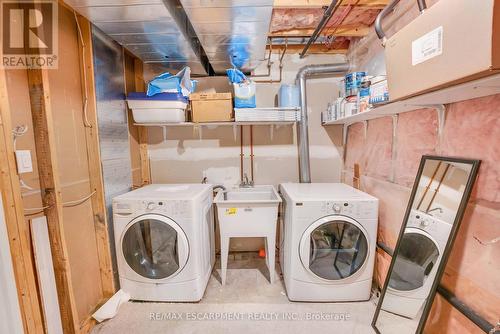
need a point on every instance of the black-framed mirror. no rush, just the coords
(437, 204)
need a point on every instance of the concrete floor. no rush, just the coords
(249, 303)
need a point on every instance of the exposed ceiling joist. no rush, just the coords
(373, 4)
(347, 31)
(313, 49)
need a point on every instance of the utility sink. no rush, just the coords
(248, 212)
(256, 194)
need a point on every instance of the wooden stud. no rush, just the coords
(94, 161)
(356, 178)
(142, 130)
(48, 171)
(313, 49)
(372, 4)
(346, 31)
(17, 230)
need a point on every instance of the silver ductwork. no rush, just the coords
(153, 30)
(303, 133)
(231, 29)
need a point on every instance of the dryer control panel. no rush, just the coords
(358, 209)
(168, 208)
(439, 229)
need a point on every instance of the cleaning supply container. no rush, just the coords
(288, 96)
(353, 83)
(248, 212)
(159, 108)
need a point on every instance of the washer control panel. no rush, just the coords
(421, 220)
(168, 208)
(359, 209)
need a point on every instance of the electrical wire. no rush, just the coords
(41, 208)
(18, 131)
(486, 243)
(78, 201)
(64, 204)
(86, 122)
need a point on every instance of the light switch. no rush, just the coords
(24, 164)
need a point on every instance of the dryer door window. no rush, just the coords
(154, 248)
(338, 248)
(416, 257)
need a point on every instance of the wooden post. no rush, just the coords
(356, 178)
(143, 131)
(17, 230)
(94, 160)
(48, 171)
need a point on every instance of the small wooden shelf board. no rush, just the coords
(473, 89)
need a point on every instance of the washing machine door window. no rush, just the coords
(417, 256)
(155, 247)
(334, 248)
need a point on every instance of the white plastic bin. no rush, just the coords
(160, 108)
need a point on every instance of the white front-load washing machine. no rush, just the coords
(328, 240)
(417, 261)
(164, 238)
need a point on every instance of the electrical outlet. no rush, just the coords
(23, 159)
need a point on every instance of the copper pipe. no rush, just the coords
(428, 186)
(269, 63)
(241, 153)
(437, 189)
(281, 56)
(251, 151)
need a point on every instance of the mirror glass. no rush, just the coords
(433, 215)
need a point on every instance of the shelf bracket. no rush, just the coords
(164, 128)
(365, 128)
(271, 129)
(395, 119)
(344, 135)
(198, 128)
(235, 132)
(441, 117)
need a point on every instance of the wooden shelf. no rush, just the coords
(466, 91)
(187, 124)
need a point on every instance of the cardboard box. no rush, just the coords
(453, 41)
(212, 107)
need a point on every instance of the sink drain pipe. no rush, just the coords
(303, 133)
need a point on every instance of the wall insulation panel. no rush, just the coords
(113, 124)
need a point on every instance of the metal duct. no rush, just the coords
(149, 29)
(230, 28)
(303, 133)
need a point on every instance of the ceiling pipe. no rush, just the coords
(327, 15)
(422, 6)
(303, 133)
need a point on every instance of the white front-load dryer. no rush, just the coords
(328, 239)
(417, 261)
(164, 238)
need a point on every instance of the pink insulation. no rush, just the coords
(392, 205)
(355, 146)
(412, 125)
(473, 269)
(285, 19)
(444, 319)
(383, 262)
(378, 148)
(472, 130)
